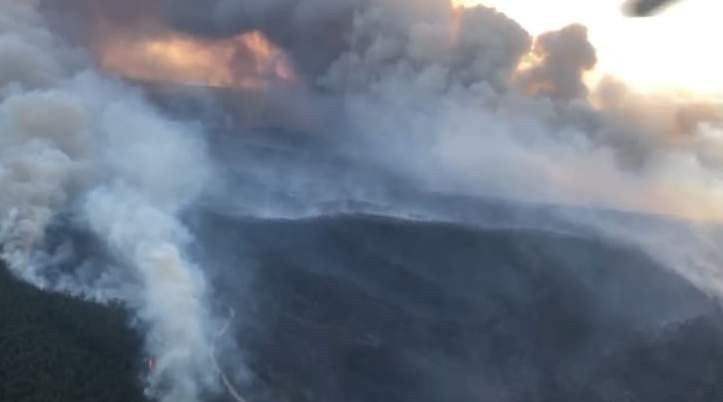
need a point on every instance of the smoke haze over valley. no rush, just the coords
(355, 200)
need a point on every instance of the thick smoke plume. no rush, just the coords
(464, 100)
(73, 142)
(492, 109)
(454, 100)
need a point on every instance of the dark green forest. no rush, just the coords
(54, 348)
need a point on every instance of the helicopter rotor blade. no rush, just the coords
(645, 8)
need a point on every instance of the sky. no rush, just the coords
(675, 51)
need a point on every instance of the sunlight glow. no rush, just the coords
(246, 61)
(675, 51)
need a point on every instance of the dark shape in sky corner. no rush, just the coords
(645, 8)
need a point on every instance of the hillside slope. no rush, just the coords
(363, 309)
(58, 349)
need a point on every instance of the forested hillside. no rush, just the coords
(57, 349)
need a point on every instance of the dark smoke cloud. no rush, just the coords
(320, 35)
(427, 74)
(349, 44)
(435, 50)
(316, 34)
(313, 32)
(565, 56)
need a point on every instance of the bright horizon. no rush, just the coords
(676, 50)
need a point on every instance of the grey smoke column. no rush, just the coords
(75, 142)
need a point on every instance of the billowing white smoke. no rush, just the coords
(74, 142)
(467, 101)
(464, 100)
